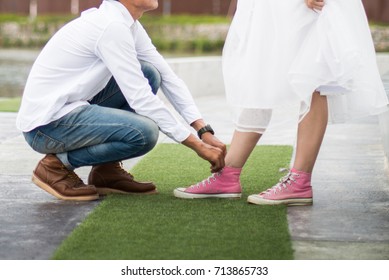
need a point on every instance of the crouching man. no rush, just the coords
(90, 100)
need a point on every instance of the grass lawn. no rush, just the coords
(162, 227)
(10, 104)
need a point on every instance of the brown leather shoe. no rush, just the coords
(52, 176)
(112, 178)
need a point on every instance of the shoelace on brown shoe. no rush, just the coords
(119, 166)
(72, 175)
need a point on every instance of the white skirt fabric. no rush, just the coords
(277, 53)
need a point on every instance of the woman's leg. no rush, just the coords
(242, 145)
(226, 183)
(295, 188)
(310, 134)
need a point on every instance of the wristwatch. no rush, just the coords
(206, 128)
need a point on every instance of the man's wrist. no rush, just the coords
(198, 124)
(205, 129)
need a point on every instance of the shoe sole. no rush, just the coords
(106, 191)
(53, 192)
(181, 194)
(289, 202)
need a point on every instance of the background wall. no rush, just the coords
(165, 6)
(377, 10)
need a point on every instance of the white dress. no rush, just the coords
(277, 53)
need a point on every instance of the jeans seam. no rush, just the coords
(41, 134)
(140, 132)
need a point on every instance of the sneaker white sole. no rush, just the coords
(180, 193)
(256, 199)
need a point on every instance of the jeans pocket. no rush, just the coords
(44, 144)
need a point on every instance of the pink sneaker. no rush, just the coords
(223, 184)
(293, 189)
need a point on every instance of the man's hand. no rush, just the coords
(315, 4)
(210, 139)
(214, 155)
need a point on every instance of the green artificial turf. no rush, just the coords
(162, 227)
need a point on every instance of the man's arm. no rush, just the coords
(116, 48)
(119, 54)
(174, 88)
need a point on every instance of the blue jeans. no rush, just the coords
(108, 130)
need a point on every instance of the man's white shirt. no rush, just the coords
(80, 59)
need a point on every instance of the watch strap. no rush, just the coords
(205, 129)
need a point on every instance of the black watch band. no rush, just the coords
(206, 128)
